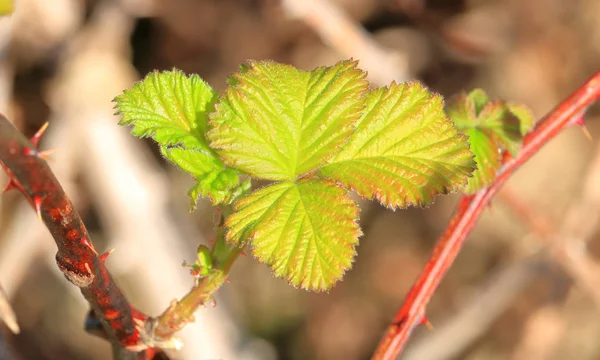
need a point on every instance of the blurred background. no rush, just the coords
(525, 286)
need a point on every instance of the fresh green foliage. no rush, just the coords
(315, 135)
(493, 127)
(404, 151)
(173, 109)
(277, 122)
(6, 7)
(306, 230)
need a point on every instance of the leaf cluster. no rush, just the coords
(313, 136)
(493, 127)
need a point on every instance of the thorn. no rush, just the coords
(90, 246)
(211, 241)
(35, 139)
(243, 253)
(37, 205)
(45, 154)
(105, 255)
(213, 302)
(586, 132)
(227, 281)
(427, 323)
(11, 185)
(578, 120)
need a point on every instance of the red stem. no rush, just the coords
(76, 256)
(412, 312)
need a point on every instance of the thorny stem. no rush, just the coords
(125, 327)
(76, 256)
(412, 312)
(182, 312)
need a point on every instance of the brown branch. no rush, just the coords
(76, 256)
(412, 312)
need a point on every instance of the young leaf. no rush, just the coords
(487, 157)
(492, 127)
(6, 7)
(217, 182)
(172, 109)
(276, 122)
(405, 150)
(306, 231)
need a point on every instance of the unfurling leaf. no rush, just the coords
(492, 127)
(173, 109)
(405, 150)
(306, 231)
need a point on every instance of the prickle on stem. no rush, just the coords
(35, 139)
(85, 241)
(37, 205)
(427, 323)
(10, 185)
(104, 256)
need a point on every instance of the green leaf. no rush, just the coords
(276, 122)
(502, 126)
(6, 7)
(524, 114)
(169, 107)
(487, 158)
(492, 127)
(305, 231)
(172, 109)
(479, 99)
(214, 180)
(405, 150)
